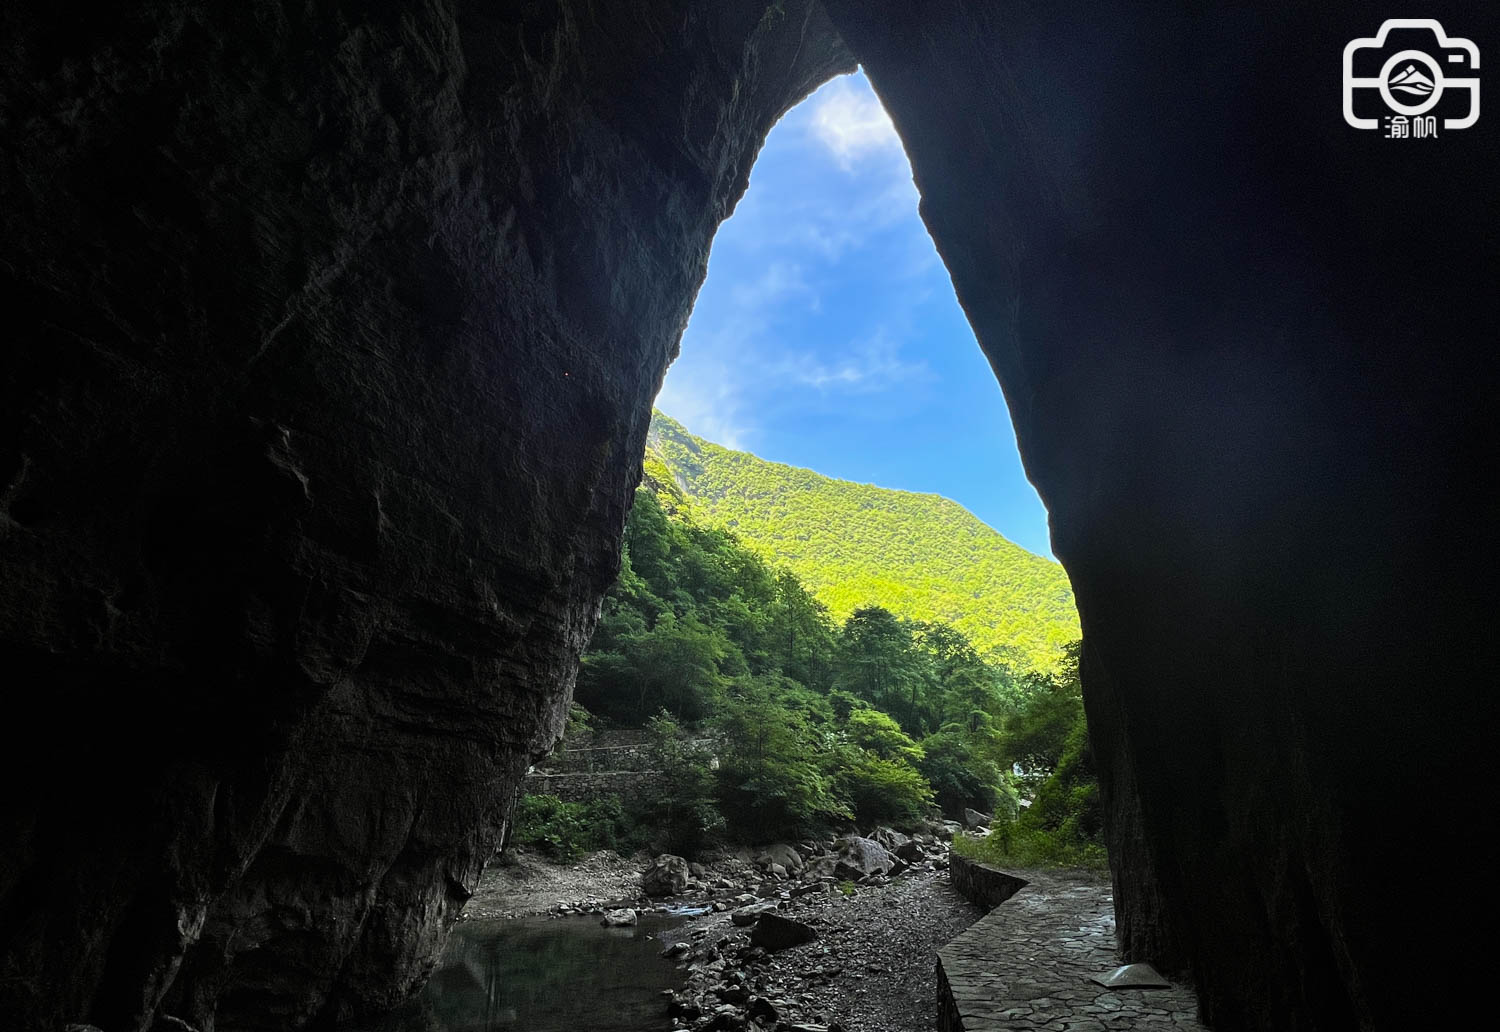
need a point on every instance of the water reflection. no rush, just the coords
(539, 975)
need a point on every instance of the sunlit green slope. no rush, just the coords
(919, 555)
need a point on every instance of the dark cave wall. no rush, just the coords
(1249, 352)
(325, 395)
(333, 336)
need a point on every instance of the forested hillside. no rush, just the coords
(878, 719)
(922, 556)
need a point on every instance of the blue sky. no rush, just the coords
(827, 334)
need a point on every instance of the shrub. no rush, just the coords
(683, 813)
(1068, 800)
(1015, 845)
(567, 831)
(959, 776)
(772, 782)
(880, 790)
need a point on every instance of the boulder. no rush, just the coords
(762, 1010)
(861, 857)
(774, 932)
(890, 838)
(748, 915)
(668, 875)
(821, 866)
(975, 819)
(727, 1019)
(910, 851)
(780, 853)
(623, 918)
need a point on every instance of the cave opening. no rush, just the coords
(827, 333)
(336, 337)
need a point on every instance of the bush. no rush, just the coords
(567, 831)
(880, 790)
(1015, 845)
(772, 782)
(1068, 800)
(683, 813)
(959, 776)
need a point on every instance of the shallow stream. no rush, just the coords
(539, 975)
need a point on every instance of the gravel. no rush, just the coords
(872, 967)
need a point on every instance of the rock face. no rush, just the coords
(334, 334)
(1259, 440)
(328, 370)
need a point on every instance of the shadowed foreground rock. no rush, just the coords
(334, 334)
(333, 340)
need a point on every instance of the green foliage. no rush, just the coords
(1067, 803)
(566, 831)
(1051, 709)
(920, 556)
(880, 790)
(1014, 845)
(683, 813)
(774, 777)
(876, 733)
(1047, 738)
(580, 722)
(959, 773)
(818, 724)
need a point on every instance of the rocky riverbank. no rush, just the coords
(795, 937)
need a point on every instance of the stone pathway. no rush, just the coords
(1026, 966)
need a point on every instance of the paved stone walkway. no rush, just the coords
(1026, 966)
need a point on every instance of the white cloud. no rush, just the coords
(872, 366)
(780, 280)
(706, 400)
(850, 122)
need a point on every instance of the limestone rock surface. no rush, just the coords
(331, 338)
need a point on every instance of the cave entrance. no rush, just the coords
(827, 337)
(827, 333)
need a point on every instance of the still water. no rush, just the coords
(539, 975)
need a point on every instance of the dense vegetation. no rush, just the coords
(920, 556)
(877, 719)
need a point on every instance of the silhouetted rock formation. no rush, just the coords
(334, 334)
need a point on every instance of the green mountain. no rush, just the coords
(919, 555)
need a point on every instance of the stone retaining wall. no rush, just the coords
(987, 887)
(586, 787)
(980, 883)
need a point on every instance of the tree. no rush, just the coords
(772, 778)
(960, 777)
(683, 810)
(877, 733)
(879, 663)
(673, 666)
